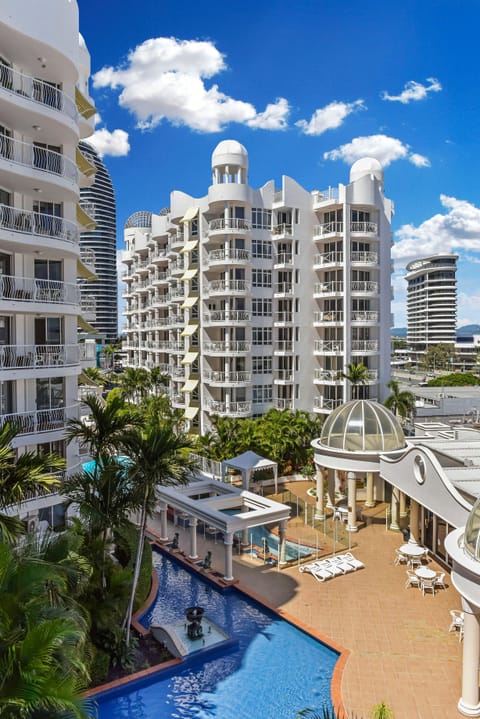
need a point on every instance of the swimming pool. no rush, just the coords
(258, 535)
(274, 670)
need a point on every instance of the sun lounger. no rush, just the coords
(321, 573)
(356, 563)
(342, 564)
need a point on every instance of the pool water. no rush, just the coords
(259, 535)
(274, 670)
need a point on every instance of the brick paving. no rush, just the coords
(400, 649)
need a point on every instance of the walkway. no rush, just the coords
(401, 651)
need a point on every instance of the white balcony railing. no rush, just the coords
(364, 228)
(331, 193)
(34, 356)
(328, 258)
(283, 375)
(227, 286)
(42, 420)
(328, 228)
(26, 289)
(364, 258)
(283, 229)
(328, 317)
(227, 377)
(283, 318)
(284, 288)
(233, 408)
(367, 317)
(283, 258)
(364, 346)
(283, 346)
(234, 347)
(332, 346)
(326, 288)
(229, 224)
(225, 256)
(364, 287)
(37, 91)
(326, 404)
(37, 223)
(282, 403)
(225, 316)
(30, 155)
(327, 375)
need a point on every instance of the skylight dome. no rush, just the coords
(362, 426)
(472, 532)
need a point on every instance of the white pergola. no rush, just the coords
(227, 508)
(248, 463)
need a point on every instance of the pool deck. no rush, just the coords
(400, 651)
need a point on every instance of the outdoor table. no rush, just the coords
(412, 550)
(425, 573)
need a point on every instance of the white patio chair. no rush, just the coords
(342, 564)
(412, 580)
(428, 585)
(415, 561)
(321, 574)
(457, 622)
(332, 567)
(356, 563)
(440, 581)
(400, 557)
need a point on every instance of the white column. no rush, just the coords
(319, 506)
(352, 502)
(163, 521)
(228, 541)
(193, 538)
(414, 521)
(282, 532)
(370, 501)
(331, 488)
(394, 522)
(403, 504)
(469, 703)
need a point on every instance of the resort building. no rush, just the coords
(99, 295)
(249, 299)
(44, 110)
(431, 303)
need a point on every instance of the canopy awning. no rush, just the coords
(189, 302)
(189, 330)
(84, 106)
(189, 385)
(189, 358)
(189, 246)
(83, 218)
(190, 214)
(86, 326)
(85, 167)
(189, 274)
(84, 272)
(191, 412)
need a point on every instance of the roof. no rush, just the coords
(362, 426)
(249, 460)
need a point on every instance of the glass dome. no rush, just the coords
(143, 218)
(471, 536)
(362, 426)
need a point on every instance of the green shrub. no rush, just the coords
(99, 667)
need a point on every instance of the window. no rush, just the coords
(360, 216)
(262, 249)
(262, 365)
(194, 228)
(50, 393)
(262, 335)
(48, 330)
(261, 307)
(6, 144)
(261, 278)
(261, 393)
(48, 157)
(261, 219)
(48, 270)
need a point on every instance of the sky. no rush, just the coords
(308, 86)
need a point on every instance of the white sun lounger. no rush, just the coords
(321, 573)
(356, 563)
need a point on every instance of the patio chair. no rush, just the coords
(400, 557)
(428, 585)
(412, 580)
(321, 574)
(415, 561)
(356, 563)
(456, 623)
(440, 581)
(332, 567)
(340, 562)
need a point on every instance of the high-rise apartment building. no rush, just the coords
(99, 295)
(431, 303)
(256, 298)
(44, 110)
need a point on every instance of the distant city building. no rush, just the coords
(431, 303)
(256, 298)
(99, 296)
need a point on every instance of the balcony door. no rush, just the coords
(50, 393)
(48, 330)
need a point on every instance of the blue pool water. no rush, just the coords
(273, 670)
(257, 535)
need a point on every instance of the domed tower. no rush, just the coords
(229, 163)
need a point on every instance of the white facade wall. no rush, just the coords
(257, 298)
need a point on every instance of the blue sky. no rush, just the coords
(307, 87)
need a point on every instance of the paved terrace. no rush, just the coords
(401, 651)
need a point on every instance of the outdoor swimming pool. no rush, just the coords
(275, 669)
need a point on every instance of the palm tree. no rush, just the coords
(159, 456)
(158, 380)
(95, 374)
(20, 476)
(109, 419)
(134, 383)
(356, 374)
(399, 402)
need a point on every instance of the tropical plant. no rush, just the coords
(381, 711)
(94, 374)
(108, 419)
(356, 374)
(455, 379)
(108, 352)
(158, 380)
(400, 402)
(438, 357)
(134, 384)
(20, 475)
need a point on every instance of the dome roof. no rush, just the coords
(366, 166)
(362, 425)
(142, 218)
(230, 152)
(471, 536)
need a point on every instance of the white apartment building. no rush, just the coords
(431, 303)
(256, 298)
(44, 111)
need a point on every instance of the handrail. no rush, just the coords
(336, 286)
(38, 223)
(231, 223)
(364, 286)
(328, 346)
(36, 90)
(226, 255)
(282, 229)
(43, 420)
(228, 286)
(328, 228)
(34, 356)
(227, 316)
(31, 155)
(26, 289)
(228, 377)
(365, 227)
(226, 347)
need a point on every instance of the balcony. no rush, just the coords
(38, 224)
(282, 347)
(320, 197)
(333, 347)
(232, 409)
(178, 400)
(27, 154)
(226, 317)
(282, 403)
(324, 404)
(364, 346)
(364, 228)
(364, 258)
(332, 289)
(43, 420)
(283, 319)
(327, 259)
(228, 287)
(228, 257)
(283, 376)
(25, 289)
(325, 376)
(328, 229)
(35, 356)
(321, 319)
(226, 226)
(227, 378)
(282, 230)
(364, 288)
(37, 91)
(283, 289)
(364, 318)
(282, 260)
(226, 348)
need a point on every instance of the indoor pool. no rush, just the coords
(272, 670)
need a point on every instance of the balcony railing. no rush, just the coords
(328, 258)
(42, 420)
(328, 288)
(35, 90)
(364, 286)
(30, 155)
(328, 317)
(331, 193)
(283, 229)
(364, 316)
(284, 288)
(225, 316)
(232, 223)
(283, 346)
(327, 375)
(364, 228)
(328, 228)
(364, 346)
(332, 346)
(283, 258)
(282, 403)
(283, 375)
(283, 318)
(226, 347)
(227, 286)
(37, 223)
(233, 408)
(87, 256)
(225, 256)
(326, 403)
(35, 356)
(228, 377)
(27, 289)
(364, 258)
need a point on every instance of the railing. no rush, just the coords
(328, 346)
(281, 403)
(328, 228)
(232, 223)
(228, 255)
(364, 345)
(239, 408)
(227, 316)
(364, 286)
(283, 317)
(208, 466)
(330, 193)
(34, 356)
(88, 305)
(370, 228)
(228, 377)
(87, 256)
(226, 347)
(282, 229)
(30, 155)
(26, 289)
(327, 375)
(364, 316)
(228, 286)
(328, 258)
(175, 346)
(283, 258)
(37, 90)
(37, 223)
(284, 375)
(283, 346)
(326, 403)
(43, 420)
(365, 258)
(335, 316)
(177, 372)
(284, 288)
(328, 287)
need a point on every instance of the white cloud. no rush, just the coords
(163, 79)
(456, 230)
(329, 117)
(384, 148)
(414, 91)
(113, 143)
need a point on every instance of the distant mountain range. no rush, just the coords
(401, 332)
